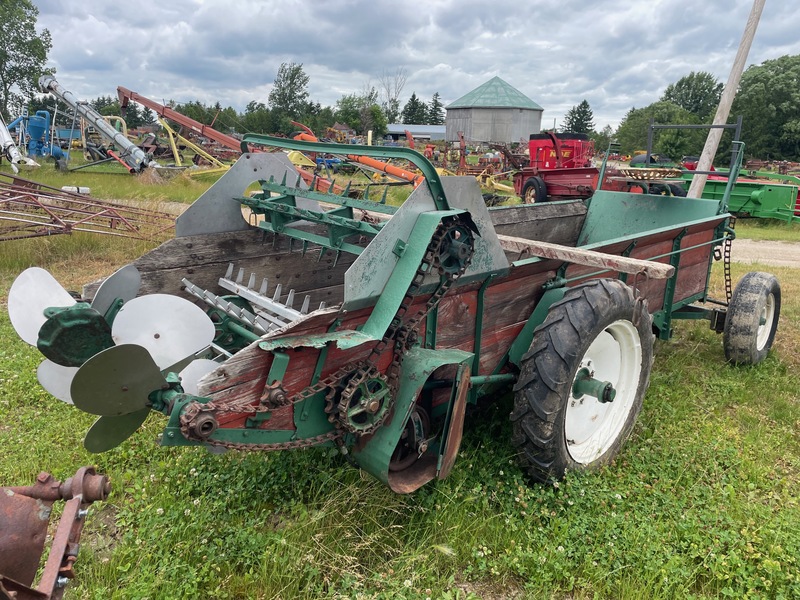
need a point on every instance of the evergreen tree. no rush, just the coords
(415, 112)
(579, 119)
(436, 111)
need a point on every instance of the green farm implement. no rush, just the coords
(322, 320)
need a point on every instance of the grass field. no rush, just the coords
(702, 502)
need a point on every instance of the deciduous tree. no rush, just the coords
(23, 53)
(696, 92)
(769, 102)
(632, 131)
(289, 93)
(391, 86)
(362, 112)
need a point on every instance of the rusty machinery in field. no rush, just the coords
(331, 321)
(24, 520)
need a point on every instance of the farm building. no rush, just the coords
(397, 131)
(493, 112)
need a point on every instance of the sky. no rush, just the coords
(616, 54)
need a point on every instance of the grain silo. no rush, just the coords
(493, 112)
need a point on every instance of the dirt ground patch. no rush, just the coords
(778, 254)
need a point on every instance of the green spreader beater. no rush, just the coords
(322, 320)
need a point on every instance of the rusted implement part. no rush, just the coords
(30, 209)
(590, 258)
(24, 518)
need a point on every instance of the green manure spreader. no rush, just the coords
(289, 318)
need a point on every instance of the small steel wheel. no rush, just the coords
(593, 423)
(752, 319)
(583, 380)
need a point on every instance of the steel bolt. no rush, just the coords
(62, 582)
(82, 513)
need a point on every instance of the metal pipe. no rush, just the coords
(134, 157)
(9, 149)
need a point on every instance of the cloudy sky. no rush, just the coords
(614, 53)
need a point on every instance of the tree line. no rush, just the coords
(768, 99)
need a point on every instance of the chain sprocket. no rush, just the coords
(365, 402)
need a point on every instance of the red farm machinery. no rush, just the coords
(560, 167)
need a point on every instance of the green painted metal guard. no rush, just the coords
(422, 163)
(417, 366)
(522, 343)
(403, 274)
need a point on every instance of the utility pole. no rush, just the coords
(725, 101)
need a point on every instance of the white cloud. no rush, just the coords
(613, 54)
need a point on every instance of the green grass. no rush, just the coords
(702, 502)
(112, 182)
(768, 230)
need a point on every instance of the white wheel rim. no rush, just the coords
(765, 320)
(591, 426)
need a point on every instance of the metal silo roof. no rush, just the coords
(495, 93)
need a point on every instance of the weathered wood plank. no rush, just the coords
(556, 222)
(204, 259)
(586, 257)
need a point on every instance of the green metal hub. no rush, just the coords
(586, 385)
(72, 335)
(455, 249)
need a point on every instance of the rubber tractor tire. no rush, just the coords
(598, 329)
(534, 190)
(752, 319)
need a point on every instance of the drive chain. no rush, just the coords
(726, 262)
(399, 333)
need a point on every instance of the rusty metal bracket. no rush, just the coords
(24, 518)
(641, 298)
